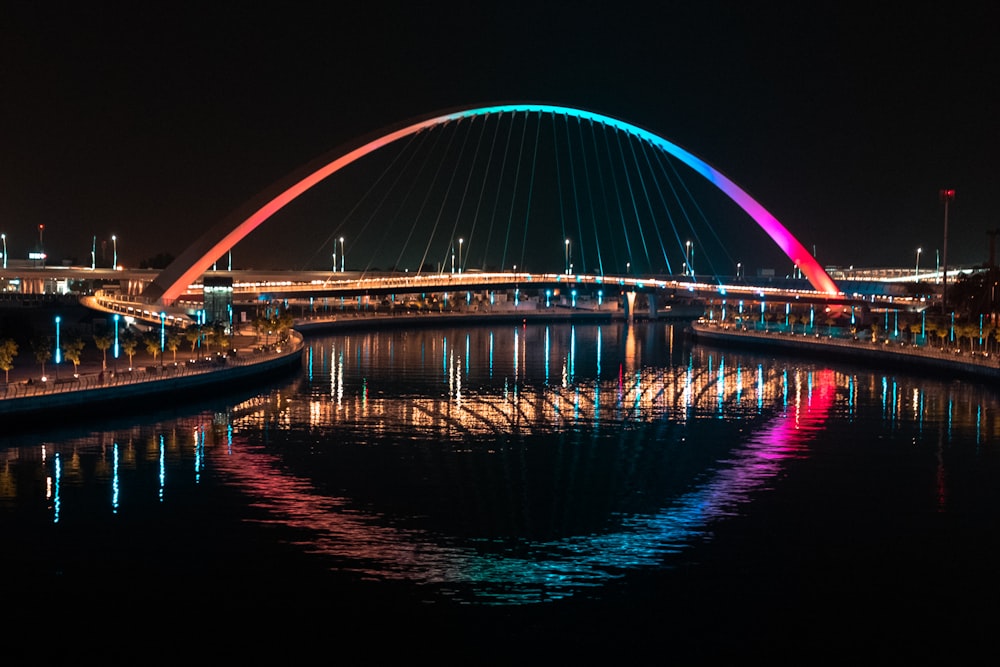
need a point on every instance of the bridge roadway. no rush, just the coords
(250, 287)
(352, 285)
(121, 290)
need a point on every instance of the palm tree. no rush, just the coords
(283, 323)
(969, 331)
(152, 343)
(72, 350)
(173, 342)
(221, 337)
(103, 342)
(193, 334)
(8, 350)
(42, 350)
(129, 342)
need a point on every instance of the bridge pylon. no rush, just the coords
(630, 306)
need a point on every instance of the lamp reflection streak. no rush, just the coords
(358, 540)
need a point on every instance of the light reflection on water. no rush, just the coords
(514, 567)
(501, 465)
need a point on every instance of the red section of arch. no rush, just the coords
(187, 268)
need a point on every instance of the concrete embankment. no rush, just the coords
(165, 386)
(925, 359)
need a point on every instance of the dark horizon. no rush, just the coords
(844, 124)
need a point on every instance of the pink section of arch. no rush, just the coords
(187, 268)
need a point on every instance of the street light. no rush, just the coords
(946, 196)
(116, 343)
(342, 254)
(687, 257)
(916, 270)
(4, 238)
(567, 256)
(460, 241)
(163, 335)
(739, 265)
(114, 243)
(58, 351)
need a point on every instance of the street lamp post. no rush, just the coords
(567, 257)
(946, 197)
(116, 343)
(460, 241)
(739, 265)
(916, 269)
(342, 263)
(114, 245)
(163, 335)
(58, 350)
(687, 257)
(4, 238)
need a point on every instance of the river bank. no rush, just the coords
(927, 358)
(98, 387)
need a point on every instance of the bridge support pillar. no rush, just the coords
(629, 306)
(652, 305)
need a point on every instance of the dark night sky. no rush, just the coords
(152, 122)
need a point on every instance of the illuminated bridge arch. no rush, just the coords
(218, 240)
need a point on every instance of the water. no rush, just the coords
(499, 492)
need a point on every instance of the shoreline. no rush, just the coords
(97, 394)
(892, 355)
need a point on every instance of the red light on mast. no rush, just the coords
(947, 195)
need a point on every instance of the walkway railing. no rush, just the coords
(898, 347)
(151, 373)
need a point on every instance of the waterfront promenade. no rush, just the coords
(96, 383)
(888, 352)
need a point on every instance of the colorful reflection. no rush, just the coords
(454, 460)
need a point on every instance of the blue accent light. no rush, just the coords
(58, 350)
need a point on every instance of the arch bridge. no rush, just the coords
(636, 159)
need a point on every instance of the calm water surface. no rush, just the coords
(566, 487)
